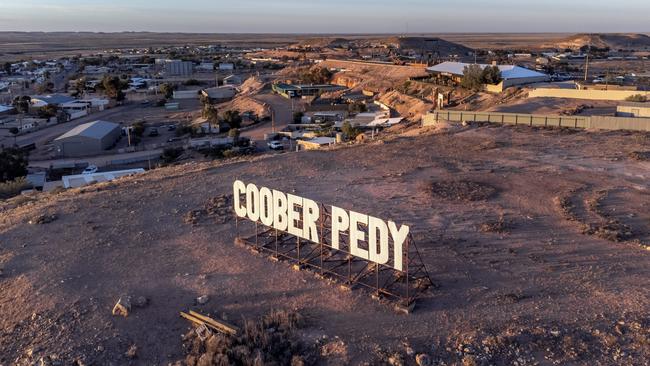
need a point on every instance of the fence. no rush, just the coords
(595, 122)
(588, 94)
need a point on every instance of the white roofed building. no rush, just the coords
(512, 75)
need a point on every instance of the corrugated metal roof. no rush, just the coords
(95, 130)
(507, 71)
(54, 98)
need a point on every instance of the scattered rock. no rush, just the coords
(123, 306)
(423, 359)
(202, 300)
(396, 360)
(42, 219)
(132, 352)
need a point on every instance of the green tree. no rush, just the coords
(232, 118)
(113, 86)
(211, 113)
(357, 107)
(297, 117)
(317, 75)
(167, 90)
(46, 87)
(80, 86)
(234, 133)
(14, 131)
(48, 111)
(170, 154)
(22, 103)
(350, 132)
(138, 128)
(13, 164)
(491, 75)
(472, 77)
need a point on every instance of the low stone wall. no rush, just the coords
(595, 122)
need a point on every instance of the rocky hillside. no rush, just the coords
(635, 42)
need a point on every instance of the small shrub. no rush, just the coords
(637, 98)
(170, 154)
(270, 340)
(13, 188)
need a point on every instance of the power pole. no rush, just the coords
(587, 63)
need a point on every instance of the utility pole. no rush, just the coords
(587, 63)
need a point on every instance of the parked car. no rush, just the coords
(275, 145)
(171, 128)
(153, 132)
(90, 169)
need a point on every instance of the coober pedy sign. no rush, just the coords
(357, 248)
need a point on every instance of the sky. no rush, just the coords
(326, 16)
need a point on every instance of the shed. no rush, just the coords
(88, 139)
(317, 143)
(632, 109)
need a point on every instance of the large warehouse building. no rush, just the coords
(512, 75)
(88, 139)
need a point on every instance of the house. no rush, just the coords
(206, 126)
(219, 94)
(76, 181)
(297, 91)
(512, 75)
(226, 66)
(6, 110)
(316, 143)
(232, 80)
(205, 67)
(179, 68)
(75, 109)
(88, 139)
(51, 99)
(631, 109)
(186, 94)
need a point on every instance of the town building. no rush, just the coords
(512, 75)
(179, 68)
(220, 94)
(297, 91)
(51, 99)
(631, 109)
(88, 139)
(233, 80)
(316, 143)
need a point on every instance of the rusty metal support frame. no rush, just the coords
(383, 281)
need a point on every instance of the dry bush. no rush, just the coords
(271, 339)
(462, 190)
(13, 188)
(500, 226)
(640, 155)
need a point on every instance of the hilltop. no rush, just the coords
(534, 239)
(611, 41)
